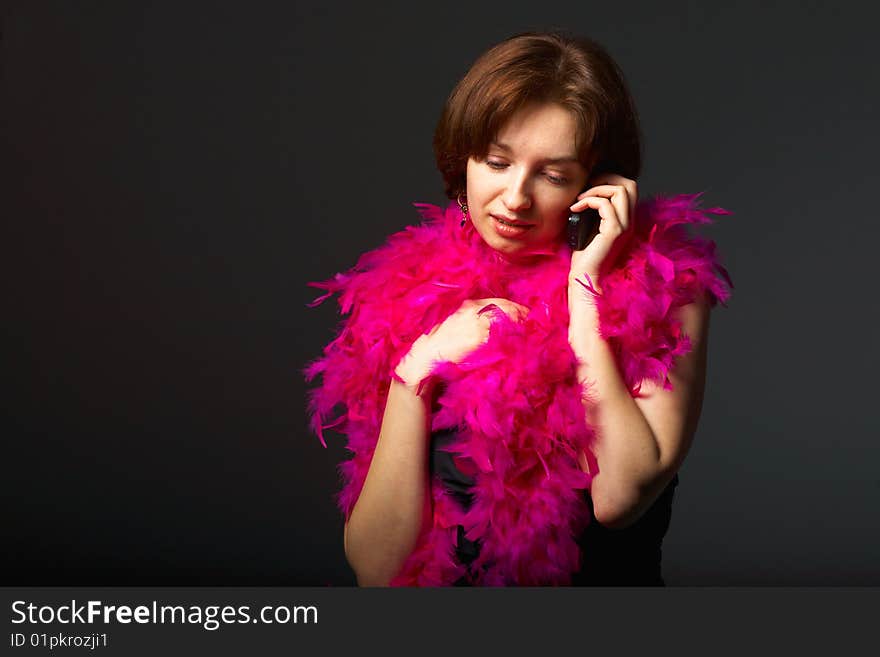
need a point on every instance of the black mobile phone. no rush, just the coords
(581, 228)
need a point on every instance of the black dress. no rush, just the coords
(609, 557)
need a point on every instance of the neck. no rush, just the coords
(528, 258)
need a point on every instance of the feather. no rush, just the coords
(516, 399)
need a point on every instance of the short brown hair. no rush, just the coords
(574, 72)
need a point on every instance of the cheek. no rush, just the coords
(478, 189)
(557, 214)
(472, 182)
(474, 179)
(556, 202)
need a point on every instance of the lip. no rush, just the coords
(510, 232)
(514, 222)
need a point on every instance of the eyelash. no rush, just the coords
(500, 166)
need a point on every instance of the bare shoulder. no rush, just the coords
(674, 414)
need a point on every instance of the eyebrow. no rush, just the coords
(548, 160)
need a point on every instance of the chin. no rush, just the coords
(497, 243)
(516, 250)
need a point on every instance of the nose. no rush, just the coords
(517, 197)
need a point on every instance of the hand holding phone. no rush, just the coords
(582, 227)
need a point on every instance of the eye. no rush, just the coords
(495, 164)
(557, 180)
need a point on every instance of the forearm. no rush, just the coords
(625, 448)
(394, 504)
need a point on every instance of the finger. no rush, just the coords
(514, 310)
(609, 191)
(602, 190)
(619, 195)
(499, 301)
(521, 311)
(488, 308)
(618, 200)
(607, 211)
(510, 308)
(614, 179)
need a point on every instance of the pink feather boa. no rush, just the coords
(521, 433)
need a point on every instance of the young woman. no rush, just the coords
(517, 409)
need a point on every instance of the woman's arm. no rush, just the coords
(394, 506)
(641, 442)
(395, 503)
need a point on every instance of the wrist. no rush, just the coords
(583, 327)
(421, 389)
(412, 369)
(586, 282)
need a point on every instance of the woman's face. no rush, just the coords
(519, 196)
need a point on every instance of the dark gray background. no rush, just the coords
(174, 174)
